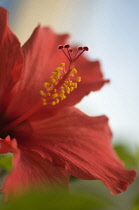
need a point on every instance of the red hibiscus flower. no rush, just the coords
(49, 138)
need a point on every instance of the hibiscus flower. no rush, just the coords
(49, 138)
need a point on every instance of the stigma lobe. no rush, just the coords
(71, 54)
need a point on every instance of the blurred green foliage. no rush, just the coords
(6, 162)
(137, 158)
(136, 203)
(128, 157)
(42, 200)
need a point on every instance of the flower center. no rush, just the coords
(60, 85)
(62, 82)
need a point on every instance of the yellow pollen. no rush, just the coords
(53, 103)
(74, 70)
(57, 100)
(75, 85)
(50, 88)
(42, 93)
(54, 73)
(58, 69)
(45, 84)
(48, 94)
(62, 91)
(65, 86)
(53, 80)
(62, 64)
(67, 90)
(43, 99)
(72, 88)
(62, 96)
(70, 83)
(57, 89)
(78, 79)
(44, 103)
(55, 95)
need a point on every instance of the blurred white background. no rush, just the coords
(110, 29)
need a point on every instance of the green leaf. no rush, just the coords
(136, 203)
(125, 155)
(6, 161)
(137, 158)
(54, 200)
(73, 178)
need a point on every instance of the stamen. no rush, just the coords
(62, 82)
(60, 85)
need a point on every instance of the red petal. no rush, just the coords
(31, 171)
(91, 80)
(7, 145)
(82, 145)
(41, 57)
(10, 59)
(91, 74)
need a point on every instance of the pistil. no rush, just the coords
(61, 82)
(70, 54)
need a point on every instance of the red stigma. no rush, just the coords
(60, 47)
(86, 48)
(72, 55)
(66, 46)
(80, 48)
(70, 50)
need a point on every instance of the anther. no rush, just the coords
(62, 64)
(60, 85)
